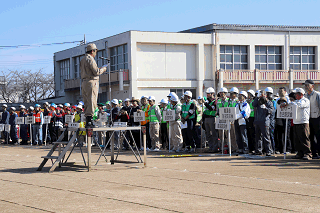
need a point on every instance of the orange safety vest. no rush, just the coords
(38, 119)
(146, 111)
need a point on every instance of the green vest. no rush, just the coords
(152, 114)
(209, 112)
(233, 103)
(185, 110)
(162, 116)
(199, 117)
(219, 104)
(145, 108)
(252, 110)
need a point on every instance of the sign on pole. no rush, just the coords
(289, 112)
(169, 115)
(139, 116)
(227, 113)
(68, 119)
(1, 127)
(30, 120)
(7, 127)
(19, 120)
(222, 124)
(46, 119)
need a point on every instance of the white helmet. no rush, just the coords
(234, 90)
(31, 108)
(170, 94)
(200, 98)
(127, 99)
(174, 98)
(251, 92)
(210, 90)
(22, 107)
(115, 101)
(300, 90)
(244, 93)
(164, 101)
(5, 105)
(269, 89)
(13, 108)
(188, 93)
(223, 89)
(152, 98)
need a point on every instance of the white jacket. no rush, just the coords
(243, 113)
(303, 111)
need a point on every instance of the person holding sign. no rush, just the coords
(175, 127)
(13, 126)
(208, 118)
(301, 126)
(314, 98)
(240, 124)
(23, 127)
(264, 109)
(37, 127)
(90, 82)
(154, 128)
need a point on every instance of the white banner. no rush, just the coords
(7, 127)
(289, 112)
(46, 119)
(222, 124)
(227, 113)
(139, 116)
(30, 120)
(169, 115)
(68, 119)
(120, 124)
(19, 120)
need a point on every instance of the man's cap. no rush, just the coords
(308, 82)
(134, 99)
(91, 46)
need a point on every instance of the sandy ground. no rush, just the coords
(202, 183)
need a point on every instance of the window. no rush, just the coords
(101, 62)
(302, 58)
(180, 92)
(233, 57)
(64, 70)
(119, 57)
(76, 62)
(268, 57)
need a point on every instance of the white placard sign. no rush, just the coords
(104, 118)
(1, 127)
(83, 118)
(7, 127)
(30, 120)
(169, 115)
(19, 120)
(120, 124)
(74, 125)
(139, 116)
(289, 112)
(68, 119)
(46, 119)
(227, 113)
(222, 124)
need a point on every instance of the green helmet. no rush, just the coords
(108, 103)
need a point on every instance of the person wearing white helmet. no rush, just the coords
(208, 119)
(233, 96)
(250, 120)
(114, 116)
(240, 124)
(5, 120)
(301, 127)
(145, 108)
(264, 109)
(269, 93)
(154, 116)
(314, 121)
(23, 128)
(188, 116)
(13, 127)
(174, 126)
(163, 126)
(45, 129)
(90, 82)
(37, 126)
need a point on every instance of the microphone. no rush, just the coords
(104, 58)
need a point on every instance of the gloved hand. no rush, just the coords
(263, 106)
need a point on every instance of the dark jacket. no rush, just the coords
(262, 115)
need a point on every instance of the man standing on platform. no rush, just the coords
(90, 82)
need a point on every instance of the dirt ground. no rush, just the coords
(199, 183)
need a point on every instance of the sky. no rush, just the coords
(39, 22)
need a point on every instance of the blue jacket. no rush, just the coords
(5, 117)
(12, 118)
(262, 115)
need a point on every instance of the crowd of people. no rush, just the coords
(256, 129)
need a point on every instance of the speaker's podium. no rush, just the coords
(72, 133)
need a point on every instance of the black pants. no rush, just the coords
(262, 138)
(280, 138)
(197, 136)
(164, 135)
(241, 136)
(188, 134)
(251, 134)
(302, 141)
(315, 133)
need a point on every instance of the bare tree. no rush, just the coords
(27, 86)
